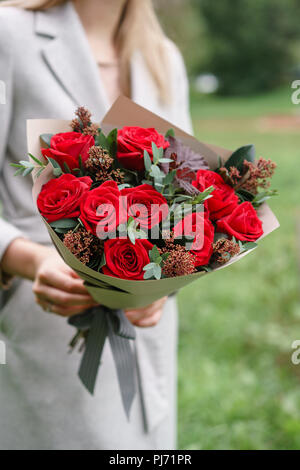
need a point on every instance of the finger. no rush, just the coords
(61, 310)
(68, 311)
(138, 314)
(64, 281)
(150, 321)
(59, 297)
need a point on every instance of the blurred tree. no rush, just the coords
(250, 42)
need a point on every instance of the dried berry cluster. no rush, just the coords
(82, 123)
(223, 250)
(253, 176)
(180, 262)
(83, 245)
(100, 164)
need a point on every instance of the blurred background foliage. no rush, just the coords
(250, 45)
(238, 388)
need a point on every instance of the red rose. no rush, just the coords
(223, 199)
(60, 198)
(242, 223)
(67, 147)
(125, 260)
(198, 225)
(146, 204)
(100, 210)
(132, 141)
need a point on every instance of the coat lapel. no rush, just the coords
(69, 58)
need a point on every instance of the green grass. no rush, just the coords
(237, 386)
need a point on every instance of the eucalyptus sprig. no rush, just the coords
(24, 167)
(153, 174)
(263, 196)
(132, 230)
(153, 270)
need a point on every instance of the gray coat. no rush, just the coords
(48, 70)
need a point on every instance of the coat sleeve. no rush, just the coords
(8, 232)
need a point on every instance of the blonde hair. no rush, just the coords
(138, 25)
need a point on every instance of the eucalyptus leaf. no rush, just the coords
(148, 275)
(154, 254)
(249, 246)
(27, 171)
(64, 223)
(147, 161)
(46, 139)
(36, 160)
(157, 271)
(169, 178)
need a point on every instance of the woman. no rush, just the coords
(54, 56)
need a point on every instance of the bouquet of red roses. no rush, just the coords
(140, 209)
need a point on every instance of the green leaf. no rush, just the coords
(46, 139)
(26, 163)
(16, 165)
(39, 172)
(207, 269)
(148, 266)
(249, 246)
(237, 158)
(169, 178)
(245, 195)
(53, 162)
(165, 256)
(131, 234)
(123, 186)
(67, 168)
(64, 223)
(112, 142)
(148, 275)
(102, 262)
(81, 167)
(156, 172)
(220, 162)
(36, 160)
(147, 182)
(19, 172)
(147, 161)
(57, 171)
(154, 254)
(101, 140)
(170, 133)
(157, 271)
(263, 196)
(156, 152)
(27, 171)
